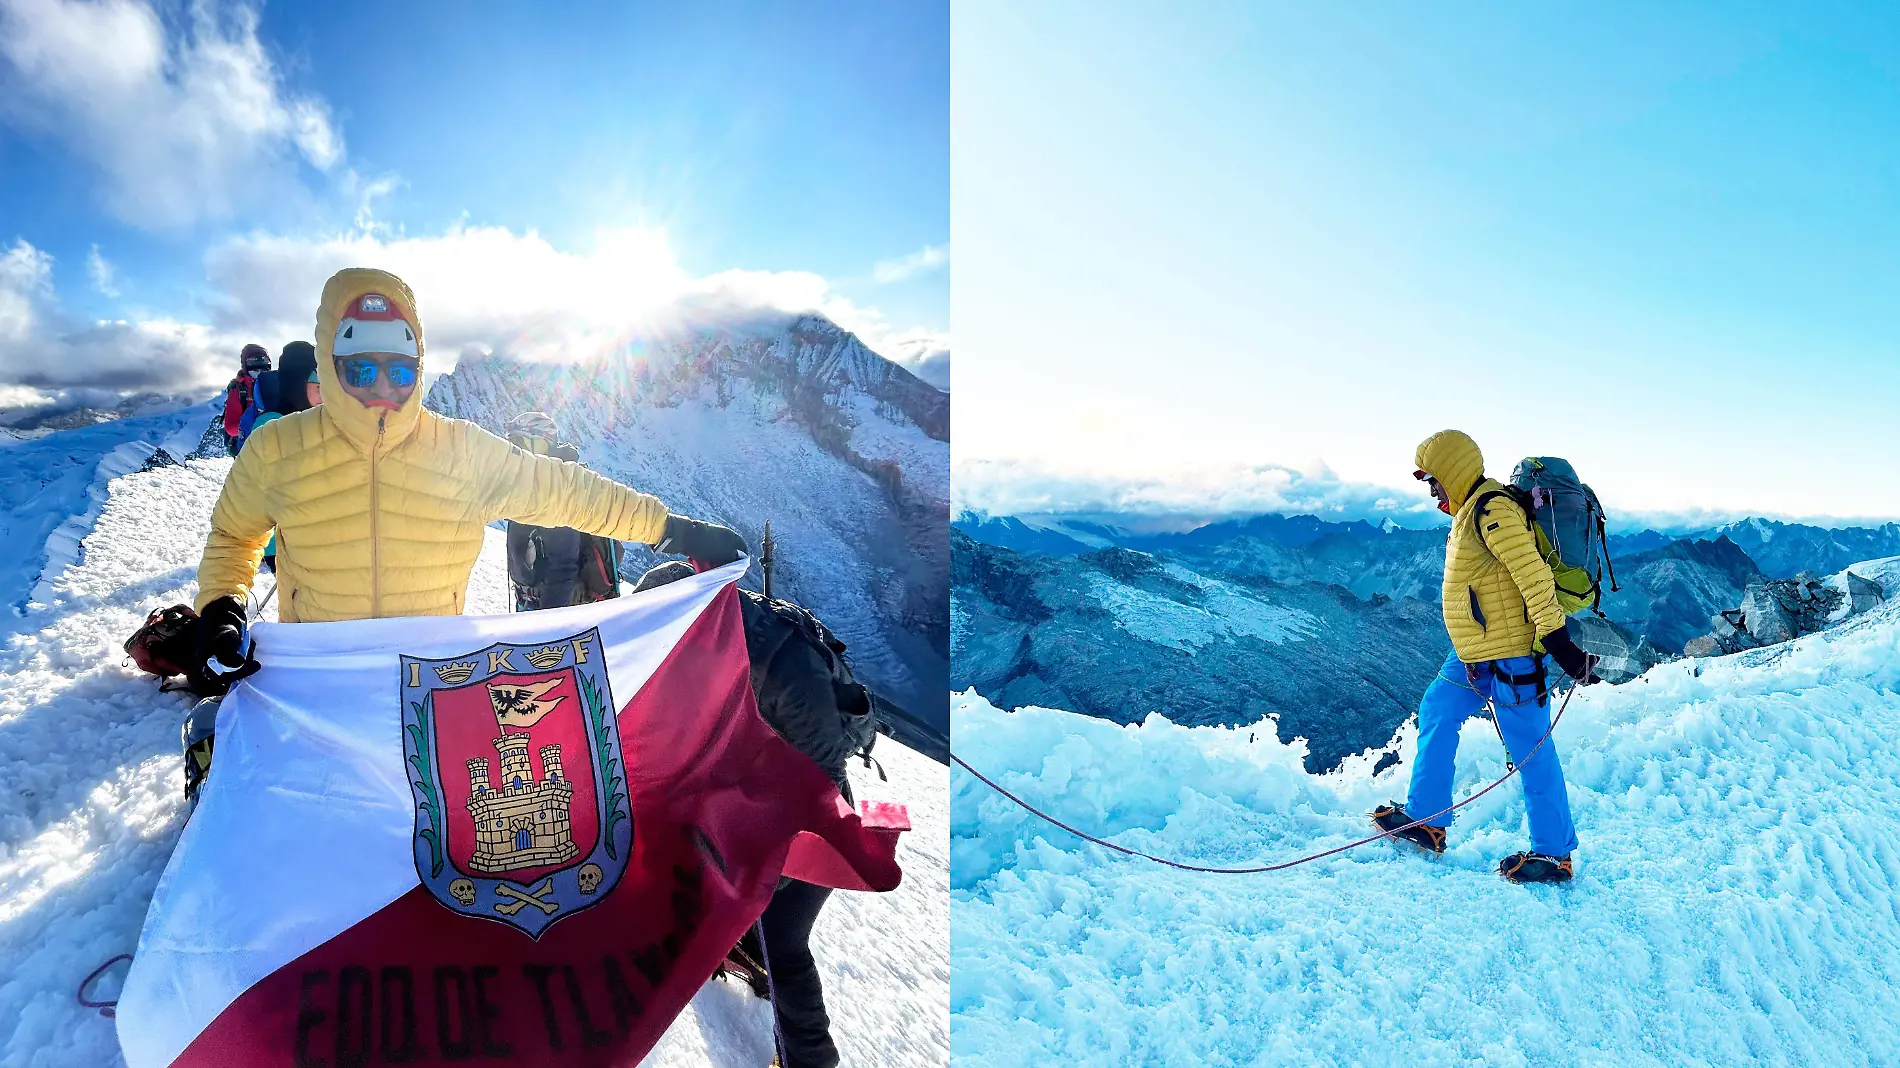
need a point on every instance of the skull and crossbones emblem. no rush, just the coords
(589, 877)
(463, 890)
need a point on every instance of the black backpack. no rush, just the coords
(782, 637)
(599, 570)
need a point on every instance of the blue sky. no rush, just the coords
(1252, 254)
(806, 146)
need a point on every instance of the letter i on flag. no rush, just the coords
(526, 839)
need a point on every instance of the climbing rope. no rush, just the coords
(106, 1008)
(1513, 770)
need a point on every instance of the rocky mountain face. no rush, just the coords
(1780, 610)
(1668, 594)
(788, 420)
(1118, 633)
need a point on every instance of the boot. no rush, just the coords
(743, 966)
(1389, 816)
(1535, 868)
(198, 739)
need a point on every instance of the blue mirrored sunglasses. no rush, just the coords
(361, 374)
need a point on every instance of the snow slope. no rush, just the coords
(91, 805)
(1734, 903)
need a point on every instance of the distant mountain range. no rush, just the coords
(1672, 583)
(1332, 627)
(88, 408)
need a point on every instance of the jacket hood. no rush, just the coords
(1452, 458)
(351, 417)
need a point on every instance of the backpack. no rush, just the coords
(1570, 526)
(770, 626)
(599, 567)
(263, 401)
(165, 644)
(236, 396)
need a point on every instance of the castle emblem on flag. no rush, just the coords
(520, 787)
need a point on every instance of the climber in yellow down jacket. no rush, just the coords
(379, 504)
(1500, 606)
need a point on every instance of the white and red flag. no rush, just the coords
(514, 839)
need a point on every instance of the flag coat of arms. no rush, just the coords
(519, 839)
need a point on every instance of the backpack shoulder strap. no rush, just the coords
(1510, 493)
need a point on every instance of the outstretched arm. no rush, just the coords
(553, 493)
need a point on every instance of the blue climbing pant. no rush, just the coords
(1523, 716)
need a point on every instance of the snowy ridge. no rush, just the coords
(53, 487)
(65, 545)
(90, 753)
(1733, 903)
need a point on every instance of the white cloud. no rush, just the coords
(1186, 497)
(100, 271)
(924, 352)
(1205, 493)
(491, 289)
(42, 349)
(182, 121)
(928, 258)
(483, 289)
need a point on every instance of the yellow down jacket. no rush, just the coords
(1499, 598)
(380, 513)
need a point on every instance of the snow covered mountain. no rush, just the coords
(1733, 901)
(1120, 633)
(1671, 584)
(1783, 549)
(81, 408)
(102, 528)
(790, 420)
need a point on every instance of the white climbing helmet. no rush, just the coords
(373, 323)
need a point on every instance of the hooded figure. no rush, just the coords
(379, 505)
(1499, 602)
(252, 361)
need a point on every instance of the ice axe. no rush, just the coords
(767, 555)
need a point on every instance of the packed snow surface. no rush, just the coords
(1734, 900)
(92, 805)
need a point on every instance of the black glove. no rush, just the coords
(1576, 663)
(708, 543)
(222, 658)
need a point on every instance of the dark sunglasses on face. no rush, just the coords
(358, 373)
